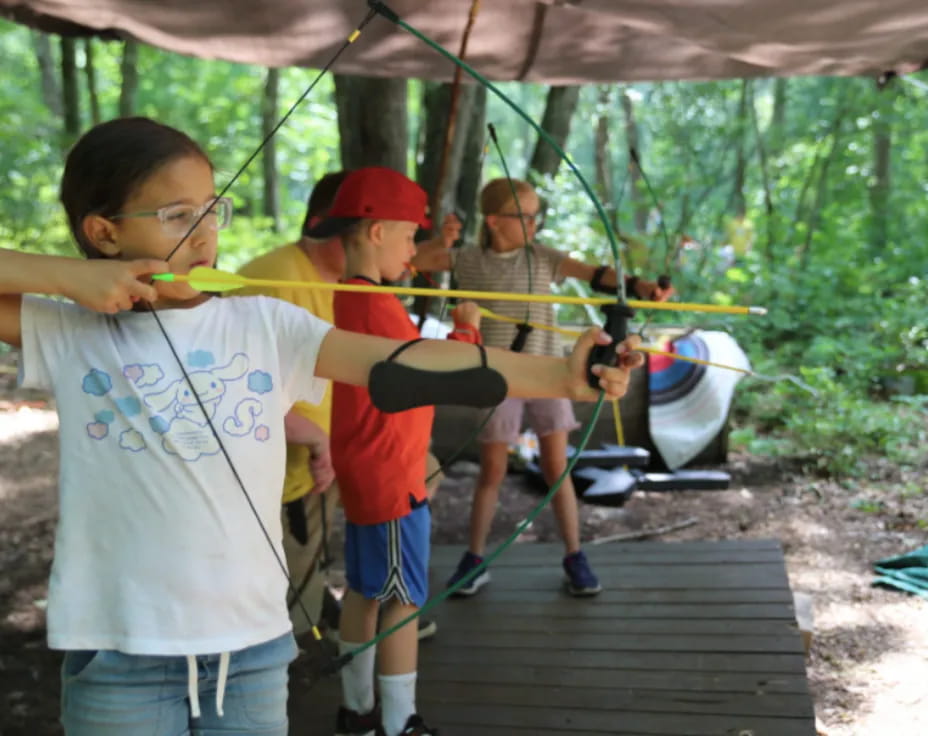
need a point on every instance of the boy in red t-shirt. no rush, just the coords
(380, 459)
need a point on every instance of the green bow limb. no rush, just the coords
(390, 15)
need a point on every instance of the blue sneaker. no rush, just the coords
(581, 580)
(469, 562)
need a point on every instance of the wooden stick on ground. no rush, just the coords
(645, 533)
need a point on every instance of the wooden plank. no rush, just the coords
(473, 652)
(516, 555)
(514, 558)
(459, 719)
(510, 731)
(497, 596)
(743, 577)
(543, 677)
(475, 619)
(723, 549)
(611, 699)
(692, 638)
(572, 642)
(608, 605)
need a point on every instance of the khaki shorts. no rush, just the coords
(543, 416)
(304, 561)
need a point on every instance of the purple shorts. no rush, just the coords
(543, 416)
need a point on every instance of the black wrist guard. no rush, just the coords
(630, 283)
(596, 283)
(394, 387)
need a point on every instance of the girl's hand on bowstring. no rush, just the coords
(112, 286)
(450, 231)
(612, 379)
(434, 254)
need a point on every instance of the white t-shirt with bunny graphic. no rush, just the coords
(157, 550)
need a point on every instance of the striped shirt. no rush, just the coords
(480, 269)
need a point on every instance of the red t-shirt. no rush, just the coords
(379, 458)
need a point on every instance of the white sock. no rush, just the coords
(358, 678)
(397, 700)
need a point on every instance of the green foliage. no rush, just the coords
(839, 430)
(217, 103)
(838, 256)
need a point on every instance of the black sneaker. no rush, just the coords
(352, 723)
(427, 628)
(468, 562)
(415, 726)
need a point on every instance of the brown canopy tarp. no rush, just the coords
(557, 41)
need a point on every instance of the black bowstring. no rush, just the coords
(370, 15)
(286, 116)
(445, 300)
(491, 135)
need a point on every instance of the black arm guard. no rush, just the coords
(394, 387)
(596, 283)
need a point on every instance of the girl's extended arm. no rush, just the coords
(643, 289)
(348, 357)
(102, 285)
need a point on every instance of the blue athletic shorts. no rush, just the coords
(390, 559)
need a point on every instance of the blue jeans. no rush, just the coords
(108, 693)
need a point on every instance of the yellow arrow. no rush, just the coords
(202, 278)
(640, 349)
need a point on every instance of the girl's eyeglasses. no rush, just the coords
(177, 219)
(538, 218)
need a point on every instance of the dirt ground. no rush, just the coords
(868, 665)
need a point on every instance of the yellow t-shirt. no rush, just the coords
(291, 263)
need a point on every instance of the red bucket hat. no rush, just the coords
(375, 193)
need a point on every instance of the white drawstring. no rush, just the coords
(221, 681)
(193, 692)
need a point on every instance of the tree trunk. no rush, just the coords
(822, 184)
(130, 78)
(639, 202)
(602, 161)
(70, 90)
(269, 152)
(436, 100)
(45, 56)
(739, 208)
(372, 121)
(471, 171)
(445, 196)
(765, 178)
(559, 109)
(91, 72)
(778, 119)
(882, 158)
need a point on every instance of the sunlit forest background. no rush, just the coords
(807, 196)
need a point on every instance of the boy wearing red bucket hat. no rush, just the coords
(380, 458)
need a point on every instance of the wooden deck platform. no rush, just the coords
(687, 638)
